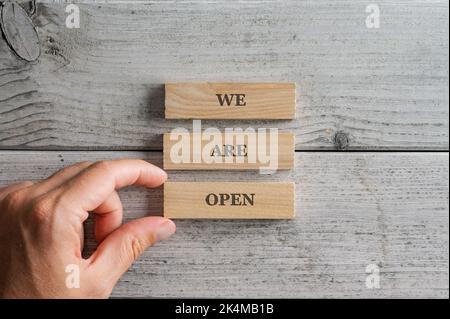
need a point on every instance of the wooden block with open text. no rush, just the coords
(230, 101)
(238, 151)
(229, 200)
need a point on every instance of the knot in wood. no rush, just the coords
(341, 140)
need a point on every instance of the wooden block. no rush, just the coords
(229, 200)
(230, 100)
(239, 151)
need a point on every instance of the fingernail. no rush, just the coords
(165, 230)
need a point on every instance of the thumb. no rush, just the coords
(124, 245)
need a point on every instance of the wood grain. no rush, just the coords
(19, 32)
(255, 101)
(354, 209)
(232, 200)
(238, 151)
(102, 86)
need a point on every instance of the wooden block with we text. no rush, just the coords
(230, 101)
(237, 151)
(229, 200)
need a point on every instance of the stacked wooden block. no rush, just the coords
(237, 150)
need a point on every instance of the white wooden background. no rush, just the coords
(97, 93)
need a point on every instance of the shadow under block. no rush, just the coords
(228, 200)
(230, 101)
(236, 151)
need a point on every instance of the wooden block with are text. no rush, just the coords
(237, 151)
(229, 200)
(230, 101)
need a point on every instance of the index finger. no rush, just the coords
(92, 186)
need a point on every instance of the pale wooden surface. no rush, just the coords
(187, 200)
(353, 209)
(278, 155)
(236, 101)
(101, 86)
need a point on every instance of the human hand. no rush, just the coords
(41, 230)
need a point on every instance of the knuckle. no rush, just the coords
(27, 183)
(102, 165)
(135, 246)
(41, 208)
(85, 163)
(68, 169)
(79, 166)
(14, 200)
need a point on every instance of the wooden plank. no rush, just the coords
(255, 101)
(353, 209)
(210, 200)
(102, 86)
(238, 151)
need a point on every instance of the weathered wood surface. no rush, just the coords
(19, 31)
(101, 86)
(353, 209)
